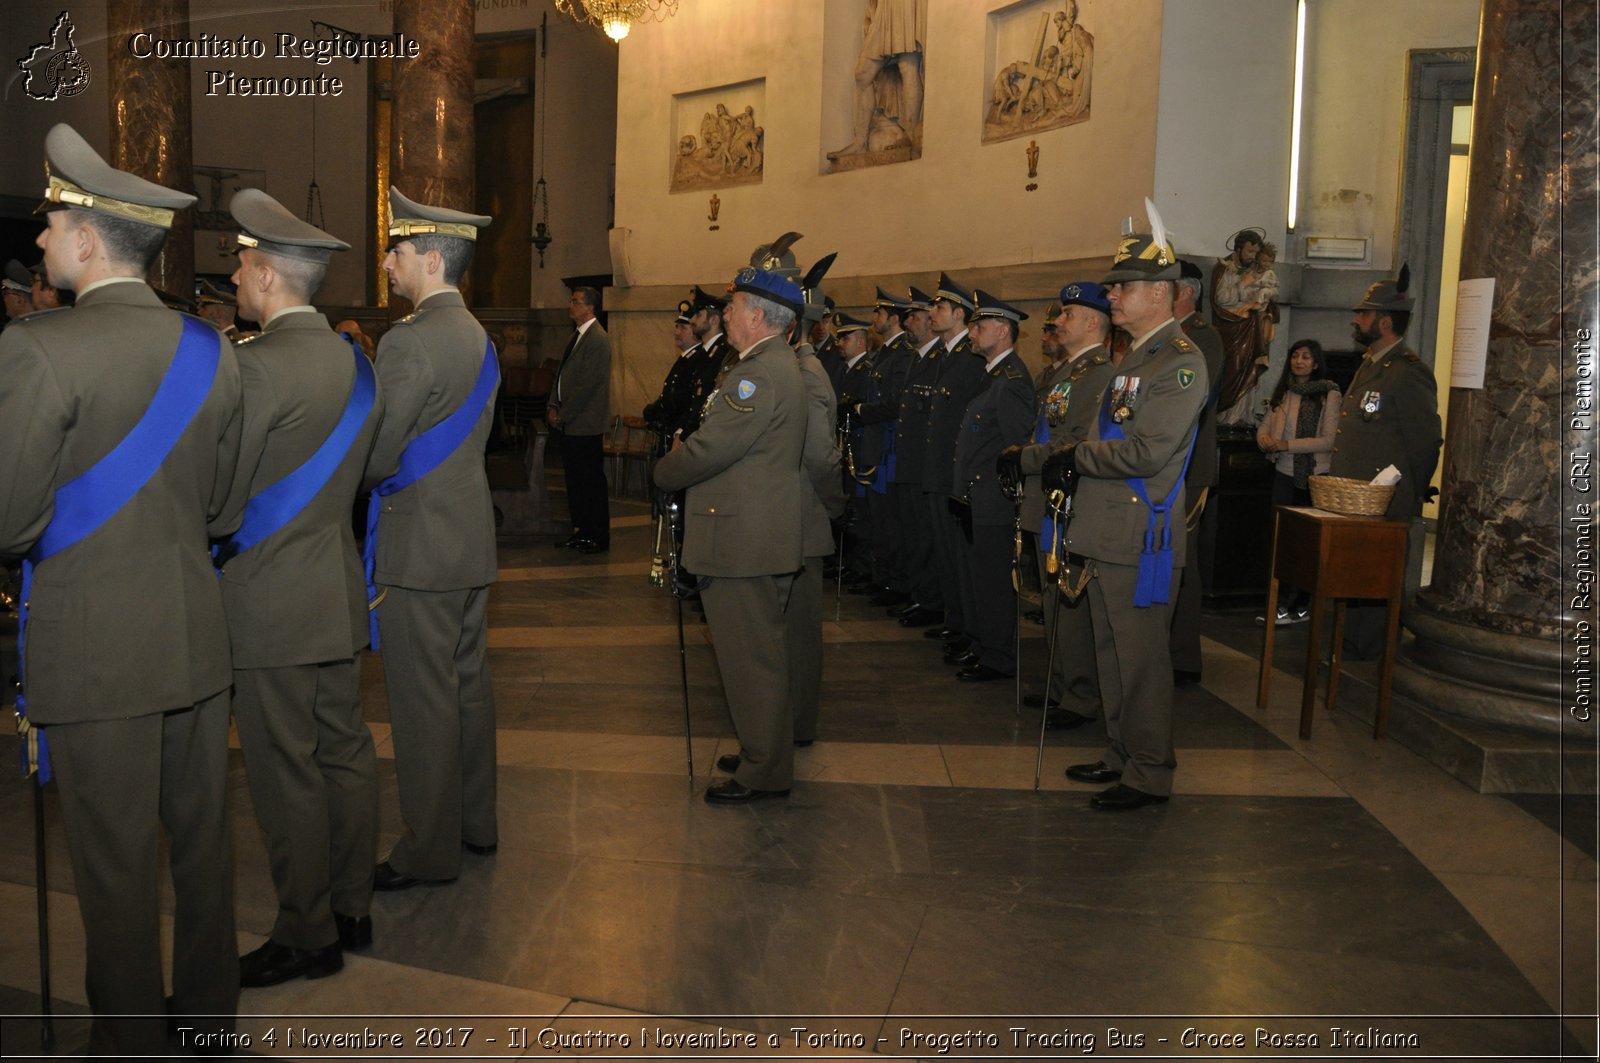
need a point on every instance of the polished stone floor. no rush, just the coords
(915, 887)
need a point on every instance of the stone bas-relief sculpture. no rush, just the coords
(728, 151)
(1050, 87)
(886, 120)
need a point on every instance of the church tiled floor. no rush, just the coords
(914, 872)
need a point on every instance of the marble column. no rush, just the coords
(431, 150)
(151, 122)
(1491, 627)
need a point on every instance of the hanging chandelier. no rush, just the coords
(616, 17)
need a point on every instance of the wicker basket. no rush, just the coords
(1339, 494)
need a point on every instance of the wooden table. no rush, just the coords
(1334, 556)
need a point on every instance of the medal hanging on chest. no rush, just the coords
(1371, 403)
(1055, 403)
(1124, 397)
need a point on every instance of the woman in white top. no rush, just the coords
(1298, 434)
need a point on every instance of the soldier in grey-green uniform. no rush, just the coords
(999, 416)
(822, 502)
(435, 554)
(297, 604)
(1390, 416)
(1126, 531)
(744, 531)
(1067, 413)
(126, 666)
(1202, 475)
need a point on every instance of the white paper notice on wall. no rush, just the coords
(1470, 349)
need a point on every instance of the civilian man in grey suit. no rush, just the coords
(126, 662)
(580, 409)
(435, 553)
(297, 605)
(746, 483)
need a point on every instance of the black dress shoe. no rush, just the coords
(944, 634)
(728, 762)
(1037, 701)
(1182, 677)
(963, 660)
(733, 792)
(980, 673)
(897, 611)
(273, 963)
(956, 647)
(1120, 798)
(386, 879)
(921, 616)
(1095, 773)
(355, 931)
(1059, 719)
(481, 850)
(593, 548)
(572, 541)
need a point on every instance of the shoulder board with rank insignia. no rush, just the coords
(1412, 356)
(245, 341)
(1012, 372)
(409, 318)
(1182, 344)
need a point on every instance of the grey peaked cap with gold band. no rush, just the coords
(79, 177)
(269, 227)
(410, 218)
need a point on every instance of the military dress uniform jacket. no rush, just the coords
(1108, 519)
(1390, 416)
(1000, 416)
(582, 390)
(822, 460)
(299, 596)
(677, 390)
(1071, 402)
(887, 379)
(128, 621)
(961, 378)
(911, 423)
(1203, 469)
(704, 374)
(437, 534)
(743, 470)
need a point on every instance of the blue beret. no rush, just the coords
(769, 285)
(1086, 293)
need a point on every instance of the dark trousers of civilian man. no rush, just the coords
(588, 496)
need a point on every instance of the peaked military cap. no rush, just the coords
(1392, 296)
(208, 294)
(685, 312)
(700, 299)
(269, 227)
(950, 291)
(987, 305)
(768, 285)
(1050, 316)
(889, 301)
(17, 278)
(410, 218)
(920, 300)
(1085, 293)
(79, 177)
(843, 323)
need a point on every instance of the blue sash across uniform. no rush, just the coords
(421, 456)
(93, 497)
(1154, 585)
(274, 506)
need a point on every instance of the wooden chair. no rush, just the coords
(631, 445)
